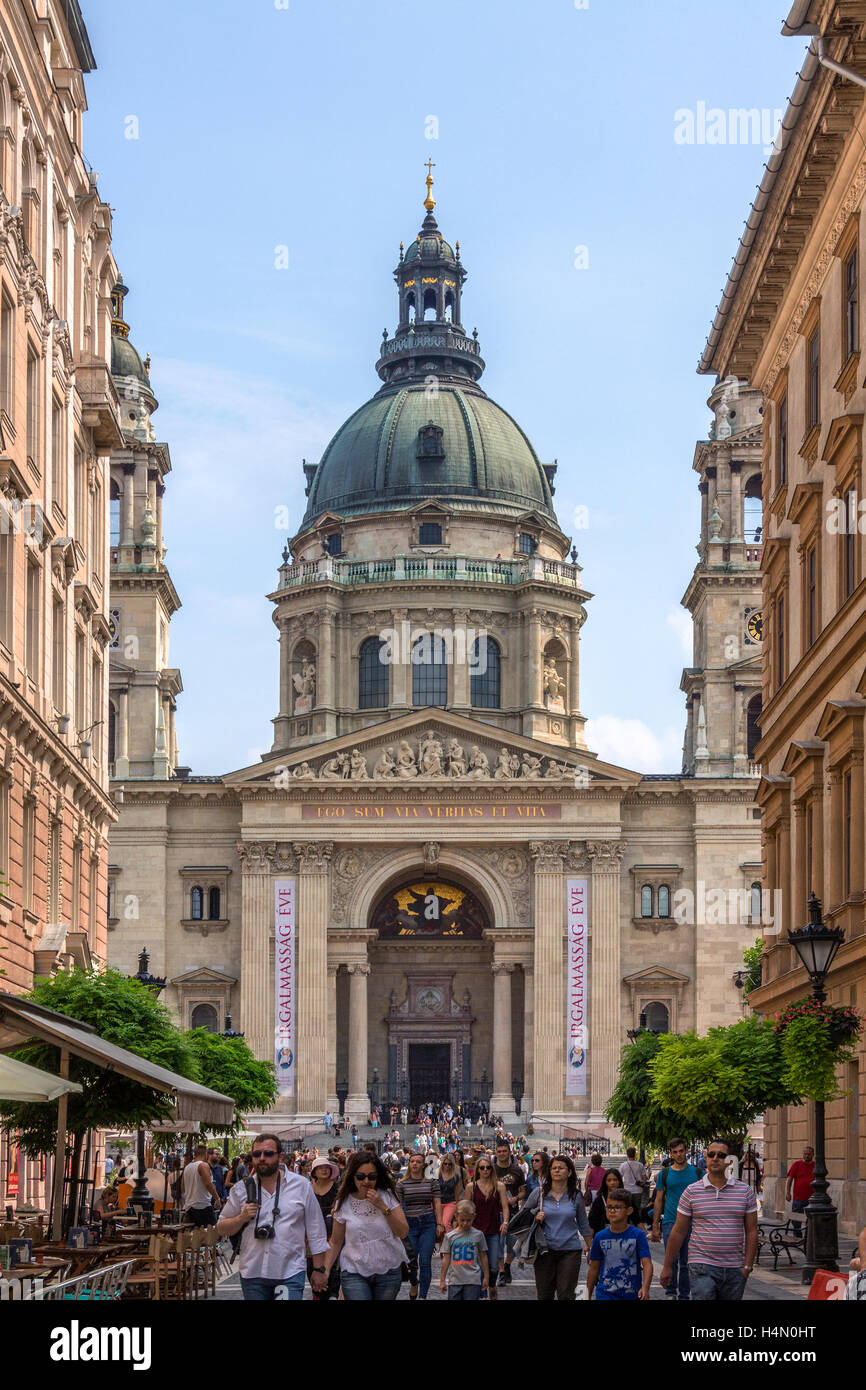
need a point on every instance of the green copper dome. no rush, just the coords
(387, 456)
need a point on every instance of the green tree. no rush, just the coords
(752, 959)
(642, 1119)
(721, 1083)
(124, 1012)
(228, 1065)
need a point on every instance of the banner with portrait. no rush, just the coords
(576, 1035)
(285, 893)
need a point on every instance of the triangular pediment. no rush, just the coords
(204, 975)
(655, 975)
(433, 745)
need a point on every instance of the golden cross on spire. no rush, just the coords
(429, 201)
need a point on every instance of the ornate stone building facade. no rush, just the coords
(59, 421)
(791, 325)
(429, 790)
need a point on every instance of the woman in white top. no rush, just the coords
(369, 1227)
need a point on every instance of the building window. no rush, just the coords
(7, 355)
(849, 556)
(852, 327)
(373, 675)
(112, 733)
(196, 905)
(80, 687)
(96, 710)
(28, 853)
(34, 453)
(430, 533)
(58, 655)
(80, 482)
(646, 901)
(429, 670)
(780, 640)
(114, 517)
(4, 829)
(814, 379)
(664, 901)
(92, 896)
(54, 865)
(334, 544)
(485, 678)
(7, 571)
(810, 847)
(755, 902)
(34, 596)
(213, 904)
(811, 594)
(527, 544)
(846, 834)
(76, 886)
(58, 451)
(753, 511)
(658, 1019)
(753, 725)
(205, 1016)
(782, 441)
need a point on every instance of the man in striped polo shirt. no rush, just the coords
(720, 1217)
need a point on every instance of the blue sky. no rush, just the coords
(306, 126)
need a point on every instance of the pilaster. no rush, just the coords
(606, 982)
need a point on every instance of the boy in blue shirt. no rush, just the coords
(620, 1265)
(670, 1185)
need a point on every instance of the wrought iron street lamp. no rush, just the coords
(228, 1032)
(633, 1034)
(140, 1196)
(816, 944)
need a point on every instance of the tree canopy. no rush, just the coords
(228, 1065)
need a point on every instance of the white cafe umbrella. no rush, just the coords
(18, 1081)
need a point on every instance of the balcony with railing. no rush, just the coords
(426, 569)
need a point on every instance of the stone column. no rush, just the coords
(817, 805)
(358, 1101)
(857, 826)
(401, 670)
(736, 531)
(333, 1103)
(548, 1049)
(502, 1101)
(528, 1038)
(257, 929)
(127, 528)
(460, 686)
(606, 1030)
(311, 1039)
(325, 663)
(121, 736)
(534, 663)
(801, 888)
(834, 869)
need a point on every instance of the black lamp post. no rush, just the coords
(633, 1034)
(816, 944)
(140, 1197)
(228, 1032)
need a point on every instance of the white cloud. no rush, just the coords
(633, 744)
(681, 622)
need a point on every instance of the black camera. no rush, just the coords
(265, 1232)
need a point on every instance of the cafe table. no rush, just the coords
(47, 1268)
(81, 1258)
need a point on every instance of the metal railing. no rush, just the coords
(413, 569)
(106, 1284)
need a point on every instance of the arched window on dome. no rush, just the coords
(485, 677)
(646, 900)
(429, 304)
(449, 306)
(527, 544)
(409, 306)
(429, 670)
(373, 682)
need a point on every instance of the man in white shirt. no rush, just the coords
(277, 1227)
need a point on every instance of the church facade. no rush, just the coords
(430, 886)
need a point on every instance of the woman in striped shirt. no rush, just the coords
(422, 1202)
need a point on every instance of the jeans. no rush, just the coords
(200, 1216)
(717, 1283)
(601, 1297)
(469, 1293)
(556, 1274)
(797, 1206)
(680, 1284)
(494, 1254)
(265, 1290)
(371, 1288)
(422, 1233)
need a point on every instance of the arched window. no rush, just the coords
(664, 901)
(484, 680)
(334, 544)
(527, 544)
(213, 904)
(429, 670)
(205, 1016)
(430, 533)
(410, 305)
(646, 901)
(114, 515)
(755, 903)
(752, 511)
(429, 304)
(658, 1020)
(196, 905)
(449, 306)
(373, 685)
(753, 725)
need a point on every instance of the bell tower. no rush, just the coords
(143, 686)
(723, 686)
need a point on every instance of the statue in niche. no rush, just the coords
(406, 765)
(357, 767)
(385, 766)
(456, 759)
(554, 685)
(305, 688)
(336, 769)
(431, 756)
(479, 766)
(503, 764)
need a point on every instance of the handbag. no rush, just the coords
(409, 1267)
(536, 1240)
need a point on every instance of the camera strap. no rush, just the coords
(276, 1211)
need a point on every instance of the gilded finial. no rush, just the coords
(429, 201)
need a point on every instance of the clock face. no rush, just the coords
(755, 625)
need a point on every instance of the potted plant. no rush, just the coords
(815, 1038)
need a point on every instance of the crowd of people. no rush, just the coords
(358, 1224)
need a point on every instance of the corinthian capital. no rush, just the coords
(501, 967)
(547, 855)
(605, 854)
(358, 968)
(257, 856)
(313, 855)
